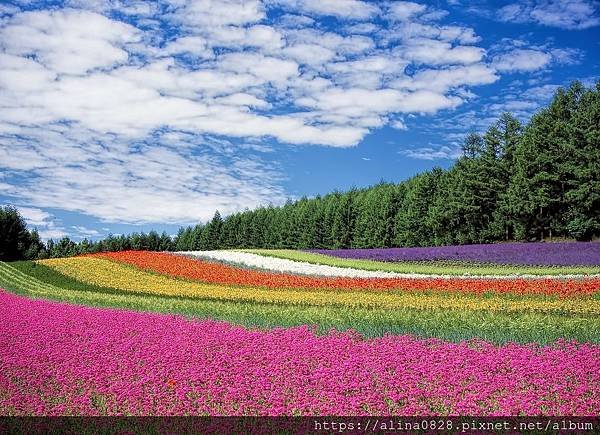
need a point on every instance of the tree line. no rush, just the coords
(19, 243)
(527, 182)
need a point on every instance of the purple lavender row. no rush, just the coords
(542, 254)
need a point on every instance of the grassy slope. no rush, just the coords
(433, 268)
(452, 325)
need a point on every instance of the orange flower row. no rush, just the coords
(218, 273)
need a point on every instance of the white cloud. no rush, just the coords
(264, 68)
(129, 7)
(34, 216)
(341, 45)
(213, 13)
(567, 14)
(399, 124)
(433, 153)
(85, 232)
(195, 45)
(52, 233)
(68, 41)
(517, 55)
(511, 12)
(441, 80)
(259, 36)
(295, 21)
(8, 9)
(402, 11)
(361, 28)
(309, 54)
(434, 52)
(541, 94)
(340, 8)
(411, 30)
(566, 56)
(426, 101)
(139, 182)
(376, 103)
(522, 60)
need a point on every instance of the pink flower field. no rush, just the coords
(58, 359)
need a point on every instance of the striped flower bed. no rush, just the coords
(102, 272)
(219, 273)
(296, 333)
(39, 281)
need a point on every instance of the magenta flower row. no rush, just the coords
(65, 359)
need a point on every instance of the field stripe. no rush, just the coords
(12, 275)
(287, 266)
(102, 272)
(429, 270)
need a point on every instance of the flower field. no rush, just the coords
(300, 333)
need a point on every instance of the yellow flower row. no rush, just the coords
(102, 272)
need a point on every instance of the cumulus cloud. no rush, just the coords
(435, 52)
(85, 232)
(340, 8)
(441, 80)
(518, 56)
(567, 14)
(522, 60)
(155, 181)
(213, 13)
(433, 153)
(68, 41)
(34, 216)
(402, 11)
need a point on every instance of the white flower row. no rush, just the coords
(282, 265)
(247, 259)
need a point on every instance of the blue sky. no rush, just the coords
(120, 116)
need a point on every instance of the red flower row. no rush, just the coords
(217, 273)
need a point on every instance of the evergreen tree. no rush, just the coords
(213, 233)
(165, 243)
(344, 220)
(14, 237)
(153, 241)
(65, 247)
(504, 225)
(582, 198)
(545, 166)
(36, 248)
(412, 217)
